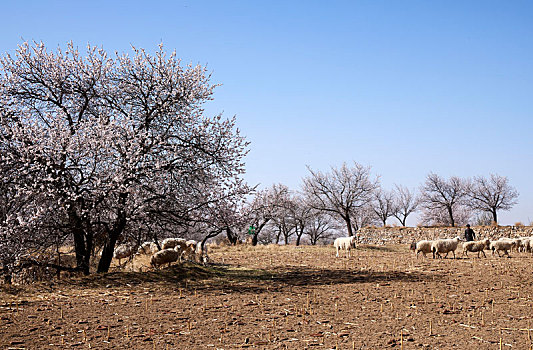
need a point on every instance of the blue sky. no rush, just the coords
(406, 87)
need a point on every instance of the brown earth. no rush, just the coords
(287, 297)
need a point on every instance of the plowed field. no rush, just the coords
(286, 297)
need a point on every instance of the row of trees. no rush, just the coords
(349, 198)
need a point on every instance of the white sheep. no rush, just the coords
(171, 242)
(502, 245)
(423, 247)
(528, 244)
(191, 249)
(445, 246)
(123, 251)
(476, 246)
(345, 243)
(165, 256)
(147, 248)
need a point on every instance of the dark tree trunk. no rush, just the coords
(349, 225)
(494, 216)
(7, 272)
(232, 238)
(109, 246)
(450, 212)
(278, 236)
(81, 242)
(257, 230)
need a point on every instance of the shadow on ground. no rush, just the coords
(216, 278)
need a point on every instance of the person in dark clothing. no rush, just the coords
(469, 234)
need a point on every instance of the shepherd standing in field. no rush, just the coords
(469, 234)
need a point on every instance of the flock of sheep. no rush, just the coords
(172, 250)
(445, 246)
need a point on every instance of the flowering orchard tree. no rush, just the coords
(106, 145)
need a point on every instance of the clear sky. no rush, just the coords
(406, 87)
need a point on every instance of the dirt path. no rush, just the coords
(283, 298)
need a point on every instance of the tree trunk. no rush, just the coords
(109, 246)
(348, 225)
(83, 255)
(232, 238)
(450, 212)
(494, 216)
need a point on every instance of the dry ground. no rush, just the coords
(283, 298)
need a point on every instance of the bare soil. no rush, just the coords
(288, 297)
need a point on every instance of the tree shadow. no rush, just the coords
(230, 279)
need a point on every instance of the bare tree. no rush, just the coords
(490, 195)
(438, 195)
(262, 209)
(462, 215)
(302, 215)
(320, 227)
(405, 203)
(383, 205)
(341, 192)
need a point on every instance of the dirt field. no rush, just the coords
(283, 298)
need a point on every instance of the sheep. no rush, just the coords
(502, 245)
(445, 246)
(171, 242)
(522, 244)
(345, 243)
(528, 244)
(123, 251)
(423, 246)
(191, 249)
(163, 257)
(476, 246)
(147, 248)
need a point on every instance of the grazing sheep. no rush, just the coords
(424, 247)
(171, 242)
(345, 243)
(147, 248)
(476, 246)
(528, 244)
(190, 249)
(163, 257)
(123, 251)
(445, 246)
(502, 245)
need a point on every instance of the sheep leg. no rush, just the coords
(483, 254)
(337, 255)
